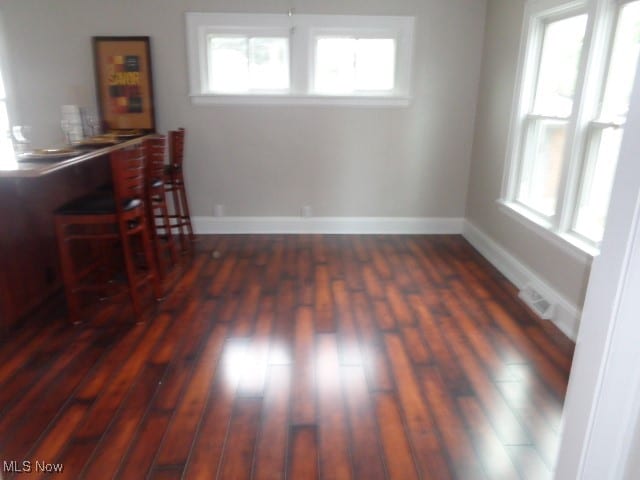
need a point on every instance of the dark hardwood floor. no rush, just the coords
(295, 357)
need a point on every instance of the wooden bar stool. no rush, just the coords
(103, 217)
(174, 183)
(157, 211)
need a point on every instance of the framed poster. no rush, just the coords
(123, 83)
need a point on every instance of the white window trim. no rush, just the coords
(595, 59)
(303, 29)
(8, 93)
(571, 245)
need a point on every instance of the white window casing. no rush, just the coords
(302, 32)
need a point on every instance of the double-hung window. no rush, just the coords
(279, 58)
(578, 59)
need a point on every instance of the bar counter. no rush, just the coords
(15, 168)
(29, 193)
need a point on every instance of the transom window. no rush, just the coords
(577, 67)
(270, 58)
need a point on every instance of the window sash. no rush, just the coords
(316, 87)
(249, 89)
(538, 69)
(534, 173)
(596, 175)
(612, 34)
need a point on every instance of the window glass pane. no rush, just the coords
(268, 63)
(559, 63)
(597, 182)
(4, 121)
(335, 65)
(375, 63)
(622, 68)
(6, 146)
(542, 165)
(228, 64)
(346, 65)
(240, 64)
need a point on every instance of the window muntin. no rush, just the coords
(245, 64)
(345, 65)
(597, 181)
(604, 135)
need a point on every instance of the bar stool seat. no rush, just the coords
(96, 204)
(115, 217)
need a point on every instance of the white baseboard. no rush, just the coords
(566, 316)
(328, 225)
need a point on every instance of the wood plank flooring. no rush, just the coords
(298, 357)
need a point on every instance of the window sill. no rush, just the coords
(283, 99)
(573, 246)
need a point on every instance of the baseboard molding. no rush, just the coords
(566, 316)
(328, 225)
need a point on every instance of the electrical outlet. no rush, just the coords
(218, 210)
(306, 211)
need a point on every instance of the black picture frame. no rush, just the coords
(124, 83)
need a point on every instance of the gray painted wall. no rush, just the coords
(565, 273)
(632, 471)
(271, 160)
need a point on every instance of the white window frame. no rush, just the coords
(302, 32)
(598, 40)
(6, 143)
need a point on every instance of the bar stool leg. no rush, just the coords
(187, 214)
(130, 268)
(153, 232)
(178, 214)
(68, 276)
(148, 253)
(166, 226)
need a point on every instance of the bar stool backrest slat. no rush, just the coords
(127, 169)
